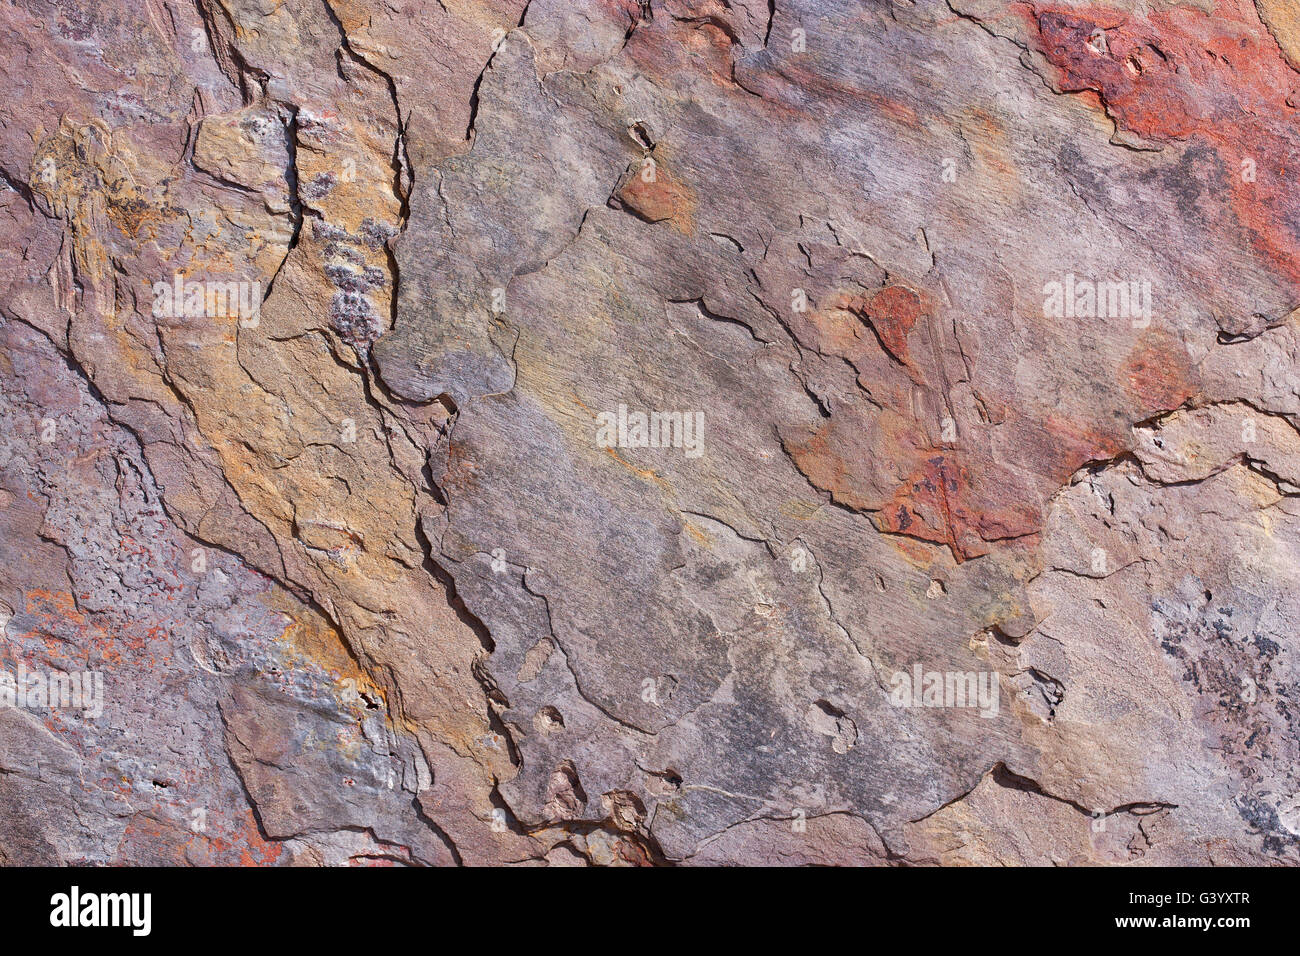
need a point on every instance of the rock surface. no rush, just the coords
(676, 431)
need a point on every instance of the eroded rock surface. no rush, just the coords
(676, 431)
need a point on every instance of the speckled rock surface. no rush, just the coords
(638, 433)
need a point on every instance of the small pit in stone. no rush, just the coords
(548, 720)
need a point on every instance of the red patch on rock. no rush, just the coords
(1179, 74)
(893, 312)
(1158, 373)
(946, 503)
(655, 195)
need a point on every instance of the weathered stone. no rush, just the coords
(676, 431)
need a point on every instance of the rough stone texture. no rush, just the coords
(366, 585)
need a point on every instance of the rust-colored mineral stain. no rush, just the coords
(632, 853)
(893, 312)
(1063, 444)
(654, 194)
(830, 459)
(316, 641)
(1157, 373)
(246, 845)
(55, 612)
(1182, 75)
(645, 473)
(693, 47)
(932, 505)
